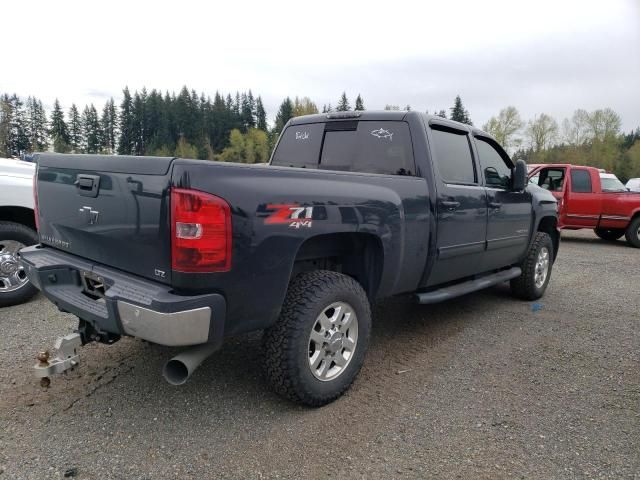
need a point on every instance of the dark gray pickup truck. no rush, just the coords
(353, 207)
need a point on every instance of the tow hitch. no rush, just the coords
(66, 357)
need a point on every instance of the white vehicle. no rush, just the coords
(633, 184)
(17, 228)
(610, 183)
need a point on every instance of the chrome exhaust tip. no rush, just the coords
(178, 370)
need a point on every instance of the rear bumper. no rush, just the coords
(131, 305)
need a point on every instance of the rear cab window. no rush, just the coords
(580, 181)
(381, 147)
(453, 158)
(299, 146)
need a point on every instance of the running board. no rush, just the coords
(463, 288)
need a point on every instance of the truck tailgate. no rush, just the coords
(109, 209)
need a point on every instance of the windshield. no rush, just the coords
(612, 184)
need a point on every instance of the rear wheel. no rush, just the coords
(609, 234)
(536, 269)
(633, 232)
(317, 346)
(14, 285)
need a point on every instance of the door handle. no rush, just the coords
(495, 205)
(450, 205)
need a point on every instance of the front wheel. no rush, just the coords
(14, 285)
(609, 234)
(633, 232)
(317, 347)
(536, 269)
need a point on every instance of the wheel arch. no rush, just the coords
(22, 215)
(549, 225)
(357, 254)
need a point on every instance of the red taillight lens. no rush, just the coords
(35, 199)
(200, 232)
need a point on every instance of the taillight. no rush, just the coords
(200, 232)
(35, 199)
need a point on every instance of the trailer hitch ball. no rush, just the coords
(43, 362)
(66, 358)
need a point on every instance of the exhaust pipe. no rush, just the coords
(178, 370)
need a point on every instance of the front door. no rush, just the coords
(461, 206)
(510, 212)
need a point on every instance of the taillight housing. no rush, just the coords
(35, 200)
(200, 232)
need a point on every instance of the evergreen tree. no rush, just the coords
(58, 131)
(36, 125)
(236, 105)
(326, 108)
(5, 125)
(285, 113)
(442, 114)
(248, 121)
(459, 113)
(108, 125)
(125, 121)
(18, 134)
(221, 121)
(75, 129)
(261, 115)
(138, 125)
(343, 103)
(252, 106)
(156, 133)
(359, 103)
(91, 130)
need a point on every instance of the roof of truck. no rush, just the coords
(383, 115)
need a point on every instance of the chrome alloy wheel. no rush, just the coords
(542, 267)
(333, 341)
(12, 275)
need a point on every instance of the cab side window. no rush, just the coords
(551, 179)
(453, 156)
(580, 181)
(497, 173)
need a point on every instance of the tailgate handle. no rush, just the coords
(87, 185)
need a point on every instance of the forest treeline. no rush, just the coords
(236, 128)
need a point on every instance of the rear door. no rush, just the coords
(509, 212)
(583, 206)
(108, 209)
(461, 205)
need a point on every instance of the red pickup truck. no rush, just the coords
(590, 198)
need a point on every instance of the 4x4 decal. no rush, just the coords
(292, 214)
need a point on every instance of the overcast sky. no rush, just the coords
(541, 56)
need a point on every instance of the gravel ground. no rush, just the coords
(481, 387)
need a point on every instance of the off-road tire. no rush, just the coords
(26, 236)
(609, 234)
(286, 343)
(524, 286)
(633, 232)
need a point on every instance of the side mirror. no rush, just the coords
(519, 176)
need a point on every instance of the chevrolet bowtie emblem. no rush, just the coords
(90, 215)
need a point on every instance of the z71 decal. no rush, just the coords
(292, 214)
